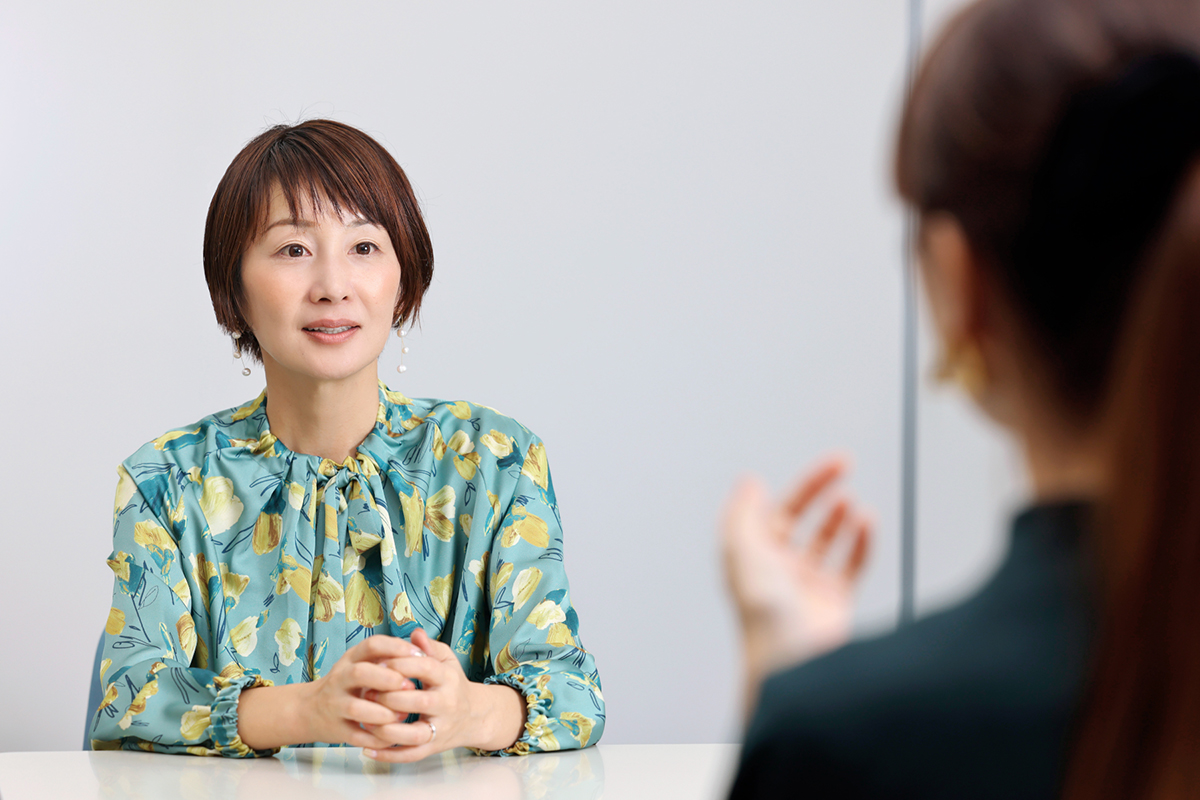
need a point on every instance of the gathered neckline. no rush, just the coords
(268, 445)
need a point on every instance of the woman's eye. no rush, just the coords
(364, 248)
(295, 251)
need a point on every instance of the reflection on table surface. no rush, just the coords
(615, 771)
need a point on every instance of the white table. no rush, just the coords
(620, 771)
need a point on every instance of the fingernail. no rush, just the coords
(370, 753)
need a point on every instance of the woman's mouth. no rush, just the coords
(330, 334)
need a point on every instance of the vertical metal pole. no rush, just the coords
(908, 467)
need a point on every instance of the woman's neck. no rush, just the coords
(1063, 462)
(328, 419)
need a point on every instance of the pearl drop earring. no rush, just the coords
(401, 333)
(237, 352)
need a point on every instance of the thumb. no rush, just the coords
(745, 511)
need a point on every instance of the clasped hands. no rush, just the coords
(365, 698)
(794, 599)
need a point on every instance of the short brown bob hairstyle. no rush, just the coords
(314, 163)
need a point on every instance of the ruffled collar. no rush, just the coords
(394, 408)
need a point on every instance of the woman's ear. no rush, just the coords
(952, 280)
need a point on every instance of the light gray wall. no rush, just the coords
(665, 241)
(969, 477)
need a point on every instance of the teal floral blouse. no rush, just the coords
(239, 563)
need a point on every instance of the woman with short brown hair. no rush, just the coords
(334, 562)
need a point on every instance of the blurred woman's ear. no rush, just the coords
(953, 284)
(946, 270)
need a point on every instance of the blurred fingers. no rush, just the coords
(864, 533)
(827, 534)
(818, 479)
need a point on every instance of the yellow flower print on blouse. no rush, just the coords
(579, 726)
(540, 731)
(195, 723)
(328, 598)
(439, 444)
(440, 591)
(138, 705)
(155, 539)
(244, 635)
(500, 444)
(478, 568)
(185, 628)
(238, 563)
(401, 610)
(527, 526)
(363, 603)
(126, 487)
(546, 613)
(119, 564)
(414, 520)
(501, 576)
(268, 530)
(170, 436)
(232, 586)
(535, 465)
(220, 505)
(288, 637)
(527, 583)
(439, 513)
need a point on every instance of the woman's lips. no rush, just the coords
(331, 334)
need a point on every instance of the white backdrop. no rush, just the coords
(665, 240)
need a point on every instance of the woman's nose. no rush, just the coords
(331, 278)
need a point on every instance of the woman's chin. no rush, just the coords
(327, 370)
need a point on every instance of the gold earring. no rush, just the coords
(963, 363)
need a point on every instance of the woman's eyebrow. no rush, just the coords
(292, 222)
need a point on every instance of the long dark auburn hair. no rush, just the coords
(1121, 356)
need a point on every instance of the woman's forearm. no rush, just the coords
(500, 713)
(274, 716)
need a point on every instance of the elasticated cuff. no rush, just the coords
(223, 722)
(537, 718)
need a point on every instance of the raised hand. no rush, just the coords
(793, 599)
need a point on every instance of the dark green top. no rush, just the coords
(977, 701)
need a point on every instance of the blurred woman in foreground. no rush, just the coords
(1050, 149)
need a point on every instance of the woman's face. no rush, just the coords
(319, 293)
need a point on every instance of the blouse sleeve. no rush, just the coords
(159, 694)
(533, 624)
